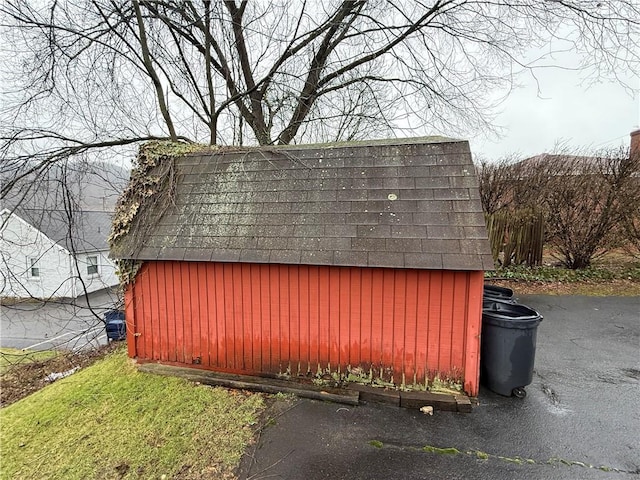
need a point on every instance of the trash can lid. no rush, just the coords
(509, 315)
(496, 291)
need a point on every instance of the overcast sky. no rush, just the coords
(565, 110)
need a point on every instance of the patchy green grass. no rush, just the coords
(545, 273)
(441, 451)
(484, 456)
(111, 421)
(599, 280)
(14, 356)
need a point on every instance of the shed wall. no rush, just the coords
(402, 325)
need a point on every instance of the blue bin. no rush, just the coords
(115, 325)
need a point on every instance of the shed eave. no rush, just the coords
(470, 268)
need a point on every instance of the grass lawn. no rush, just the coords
(111, 421)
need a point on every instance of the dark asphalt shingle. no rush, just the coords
(77, 231)
(398, 203)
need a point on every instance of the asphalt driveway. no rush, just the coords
(580, 419)
(64, 324)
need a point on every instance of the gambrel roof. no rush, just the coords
(409, 203)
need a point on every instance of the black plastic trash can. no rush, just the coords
(498, 293)
(508, 347)
(115, 325)
(489, 302)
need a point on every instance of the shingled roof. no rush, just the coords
(410, 203)
(77, 231)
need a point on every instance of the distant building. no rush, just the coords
(634, 146)
(52, 254)
(564, 164)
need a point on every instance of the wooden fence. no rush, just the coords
(516, 237)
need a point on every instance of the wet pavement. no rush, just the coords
(64, 324)
(580, 419)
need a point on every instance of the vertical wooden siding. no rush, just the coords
(402, 325)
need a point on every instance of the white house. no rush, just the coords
(54, 253)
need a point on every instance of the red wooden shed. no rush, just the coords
(363, 260)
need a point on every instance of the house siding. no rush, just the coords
(401, 325)
(106, 276)
(20, 242)
(58, 269)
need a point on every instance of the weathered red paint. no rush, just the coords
(401, 325)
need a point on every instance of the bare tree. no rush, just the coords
(53, 256)
(498, 183)
(97, 77)
(586, 200)
(87, 79)
(102, 73)
(631, 228)
(630, 204)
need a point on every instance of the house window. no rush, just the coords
(34, 270)
(92, 265)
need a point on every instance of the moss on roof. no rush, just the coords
(311, 146)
